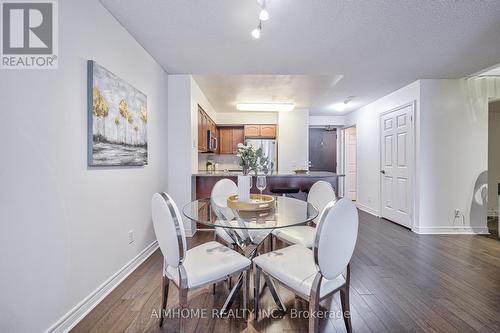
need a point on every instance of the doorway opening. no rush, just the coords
(323, 149)
(350, 163)
(493, 166)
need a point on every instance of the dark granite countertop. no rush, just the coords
(202, 173)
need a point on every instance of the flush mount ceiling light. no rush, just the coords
(265, 107)
(263, 16)
(342, 106)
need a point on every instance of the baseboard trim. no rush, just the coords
(70, 319)
(368, 209)
(451, 230)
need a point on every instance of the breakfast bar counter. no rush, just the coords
(203, 181)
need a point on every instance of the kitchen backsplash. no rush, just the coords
(230, 162)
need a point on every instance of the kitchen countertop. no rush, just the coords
(203, 173)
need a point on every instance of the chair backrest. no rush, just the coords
(224, 188)
(169, 229)
(221, 190)
(336, 237)
(320, 194)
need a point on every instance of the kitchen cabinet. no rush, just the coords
(268, 131)
(225, 140)
(238, 137)
(229, 137)
(205, 123)
(252, 131)
(260, 131)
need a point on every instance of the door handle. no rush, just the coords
(382, 172)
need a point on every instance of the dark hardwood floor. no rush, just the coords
(400, 282)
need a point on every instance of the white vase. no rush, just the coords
(244, 188)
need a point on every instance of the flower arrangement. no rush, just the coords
(252, 159)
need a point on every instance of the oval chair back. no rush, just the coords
(320, 194)
(223, 189)
(169, 229)
(336, 237)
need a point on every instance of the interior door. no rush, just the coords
(322, 149)
(396, 156)
(351, 163)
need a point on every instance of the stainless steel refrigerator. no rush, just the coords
(269, 148)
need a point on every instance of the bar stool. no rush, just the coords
(285, 190)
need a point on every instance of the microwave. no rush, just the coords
(211, 141)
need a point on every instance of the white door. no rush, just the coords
(350, 163)
(396, 160)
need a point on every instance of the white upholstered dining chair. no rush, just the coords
(221, 190)
(320, 194)
(314, 274)
(197, 267)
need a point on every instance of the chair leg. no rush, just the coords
(213, 289)
(346, 312)
(182, 305)
(313, 320)
(164, 299)
(314, 304)
(246, 281)
(256, 292)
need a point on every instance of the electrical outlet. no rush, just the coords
(131, 236)
(457, 212)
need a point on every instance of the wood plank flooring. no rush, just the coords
(401, 282)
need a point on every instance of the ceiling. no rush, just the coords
(305, 91)
(376, 46)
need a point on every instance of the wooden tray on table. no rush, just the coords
(258, 202)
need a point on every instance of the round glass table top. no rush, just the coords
(285, 212)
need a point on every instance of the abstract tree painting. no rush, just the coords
(117, 120)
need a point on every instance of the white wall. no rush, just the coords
(451, 151)
(65, 226)
(184, 97)
(326, 120)
(181, 139)
(293, 139)
(241, 118)
(493, 156)
(366, 120)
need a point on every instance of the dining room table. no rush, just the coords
(249, 228)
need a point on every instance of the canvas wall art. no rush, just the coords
(117, 120)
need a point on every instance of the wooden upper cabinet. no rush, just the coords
(229, 137)
(252, 131)
(268, 131)
(238, 137)
(225, 140)
(205, 123)
(260, 131)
